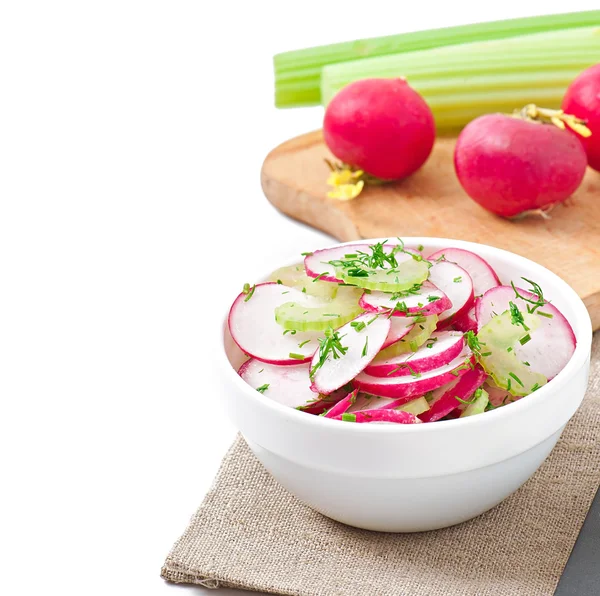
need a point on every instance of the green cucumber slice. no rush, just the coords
(413, 340)
(338, 312)
(478, 406)
(405, 276)
(416, 406)
(294, 276)
(498, 339)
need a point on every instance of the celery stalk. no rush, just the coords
(462, 82)
(298, 73)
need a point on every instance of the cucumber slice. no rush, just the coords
(416, 406)
(338, 312)
(413, 340)
(405, 276)
(478, 406)
(295, 276)
(499, 339)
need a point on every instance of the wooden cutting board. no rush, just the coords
(432, 203)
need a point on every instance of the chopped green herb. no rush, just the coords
(263, 388)
(432, 298)
(346, 417)
(421, 327)
(290, 331)
(440, 258)
(364, 352)
(474, 343)
(296, 356)
(535, 387)
(545, 314)
(525, 339)
(467, 402)
(358, 325)
(526, 363)
(509, 349)
(305, 312)
(511, 374)
(351, 256)
(320, 276)
(508, 385)
(431, 341)
(516, 316)
(457, 280)
(485, 354)
(331, 315)
(261, 370)
(304, 343)
(306, 254)
(329, 345)
(420, 248)
(304, 290)
(279, 282)
(286, 292)
(536, 290)
(372, 319)
(464, 366)
(249, 291)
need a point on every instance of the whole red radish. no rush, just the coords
(582, 99)
(381, 126)
(511, 165)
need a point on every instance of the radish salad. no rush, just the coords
(379, 333)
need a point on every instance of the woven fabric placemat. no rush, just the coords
(250, 533)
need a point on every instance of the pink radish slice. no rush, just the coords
(499, 396)
(365, 401)
(442, 347)
(480, 271)
(552, 343)
(447, 402)
(317, 264)
(419, 384)
(456, 283)
(324, 402)
(400, 326)
(342, 406)
(362, 345)
(380, 416)
(287, 385)
(468, 321)
(429, 300)
(253, 327)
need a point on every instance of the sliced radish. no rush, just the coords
(364, 401)
(468, 321)
(498, 396)
(324, 402)
(480, 271)
(287, 385)
(361, 339)
(254, 329)
(427, 300)
(413, 340)
(400, 327)
(380, 416)
(551, 343)
(419, 383)
(342, 406)
(445, 403)
(456, 283)
(442, 347)
(317, 264)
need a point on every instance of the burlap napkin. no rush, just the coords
(250, 533)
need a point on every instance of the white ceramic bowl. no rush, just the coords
(410, 478)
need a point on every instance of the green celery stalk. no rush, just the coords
(298, 73)
(462, 82)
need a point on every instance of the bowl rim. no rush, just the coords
(582, 328)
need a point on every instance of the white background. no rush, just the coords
(131, 140)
